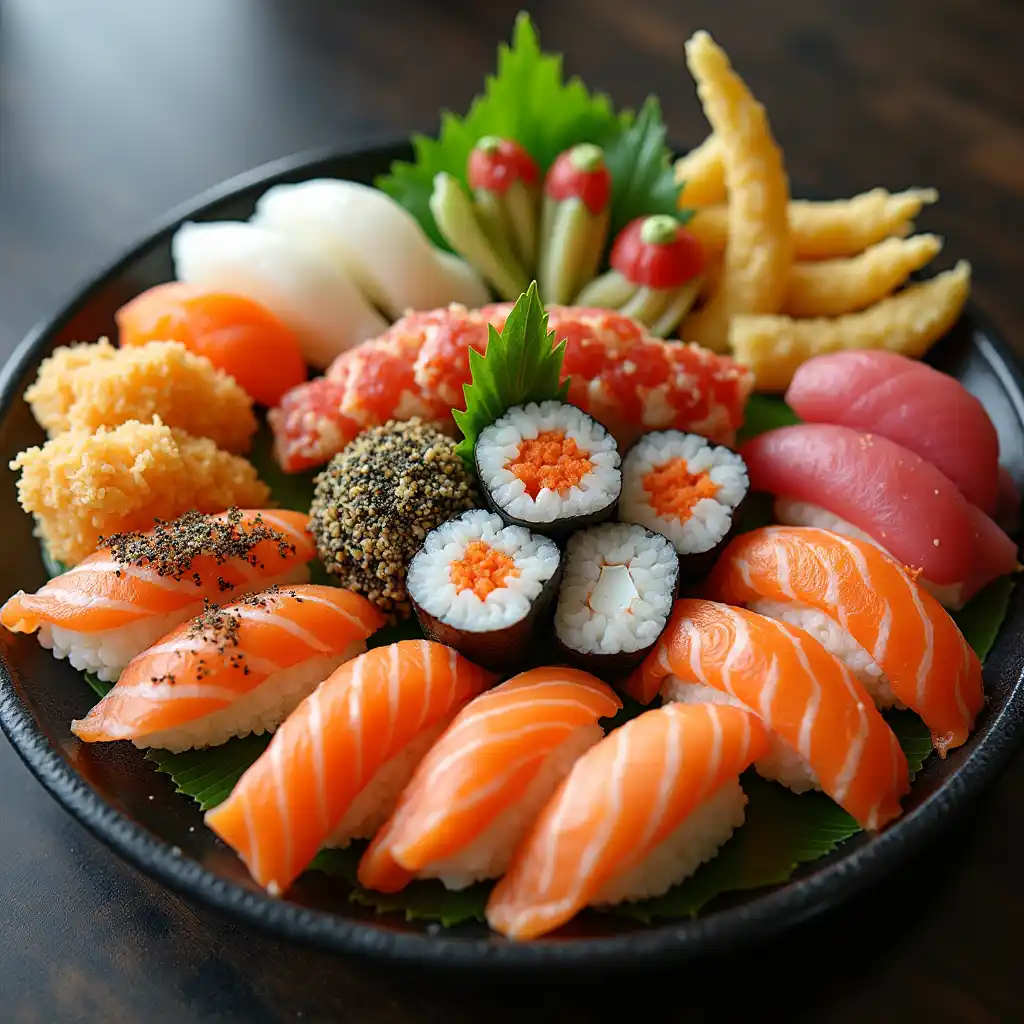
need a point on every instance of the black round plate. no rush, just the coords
(123, 801)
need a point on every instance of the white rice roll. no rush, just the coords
(618, 586)
(698, 527)
(374, 240)
(502, 454)
(315, 298)
(488, 617)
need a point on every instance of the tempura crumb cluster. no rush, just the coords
(82, 485)
(84, 387)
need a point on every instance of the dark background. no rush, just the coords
(113, 112)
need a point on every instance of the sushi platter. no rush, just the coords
(527, 547)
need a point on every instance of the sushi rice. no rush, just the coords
(498, 597)
(532, 446)
(835, 640)
(684, 487)
(617, 590)
(256, 713)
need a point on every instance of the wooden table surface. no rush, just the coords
(113, 112)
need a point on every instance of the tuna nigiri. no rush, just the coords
(124, 597)
(909, 402)
(334, 770)
(826, 732)
(866, 610)
(485, 780)
(638, 813)
(234, 670)
(867, 486)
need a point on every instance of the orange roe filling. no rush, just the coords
(550, 460)
(674, 490)
(482, 569)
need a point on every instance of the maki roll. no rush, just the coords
(615, 598)
(687, 489)
(480, 586)
(549, 467)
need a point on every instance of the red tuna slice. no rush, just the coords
(910, 403)
(893, 495)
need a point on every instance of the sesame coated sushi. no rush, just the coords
(615, 597)
(549, 467)
(686, 488)
(378, 499)
(480, 586)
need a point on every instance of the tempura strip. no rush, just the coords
(702, 174)
(907, 323)
(755, 274)
(835, 287)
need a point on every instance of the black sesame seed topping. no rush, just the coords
(171, 547)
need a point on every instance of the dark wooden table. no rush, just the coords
(110, 113)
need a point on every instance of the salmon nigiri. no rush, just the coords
(826, 732)
(865, 608)
(867, 486)
(485, 780)
(234, 670)
(138, 586)
(638, 813)
(334, 770)
(908, 402)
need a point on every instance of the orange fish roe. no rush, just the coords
(482, 569)
(550, 460)
(674, 490)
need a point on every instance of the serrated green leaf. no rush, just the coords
(527, 100)
(522, 364)
(643, 179)
(209, 775)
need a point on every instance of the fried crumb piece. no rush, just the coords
(81, 486)
(91, 386)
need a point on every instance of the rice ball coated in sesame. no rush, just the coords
(377, 500)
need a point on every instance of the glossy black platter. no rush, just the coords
(121, 799)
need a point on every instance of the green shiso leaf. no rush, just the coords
(643, 181)
(209, 775)
(521, 364)
(529, 100)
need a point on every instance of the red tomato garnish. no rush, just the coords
(580, 173)
(657, 252)
(495, 163)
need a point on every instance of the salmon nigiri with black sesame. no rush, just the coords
(117, 602)
(234, 670)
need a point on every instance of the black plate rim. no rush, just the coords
(675, 940)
